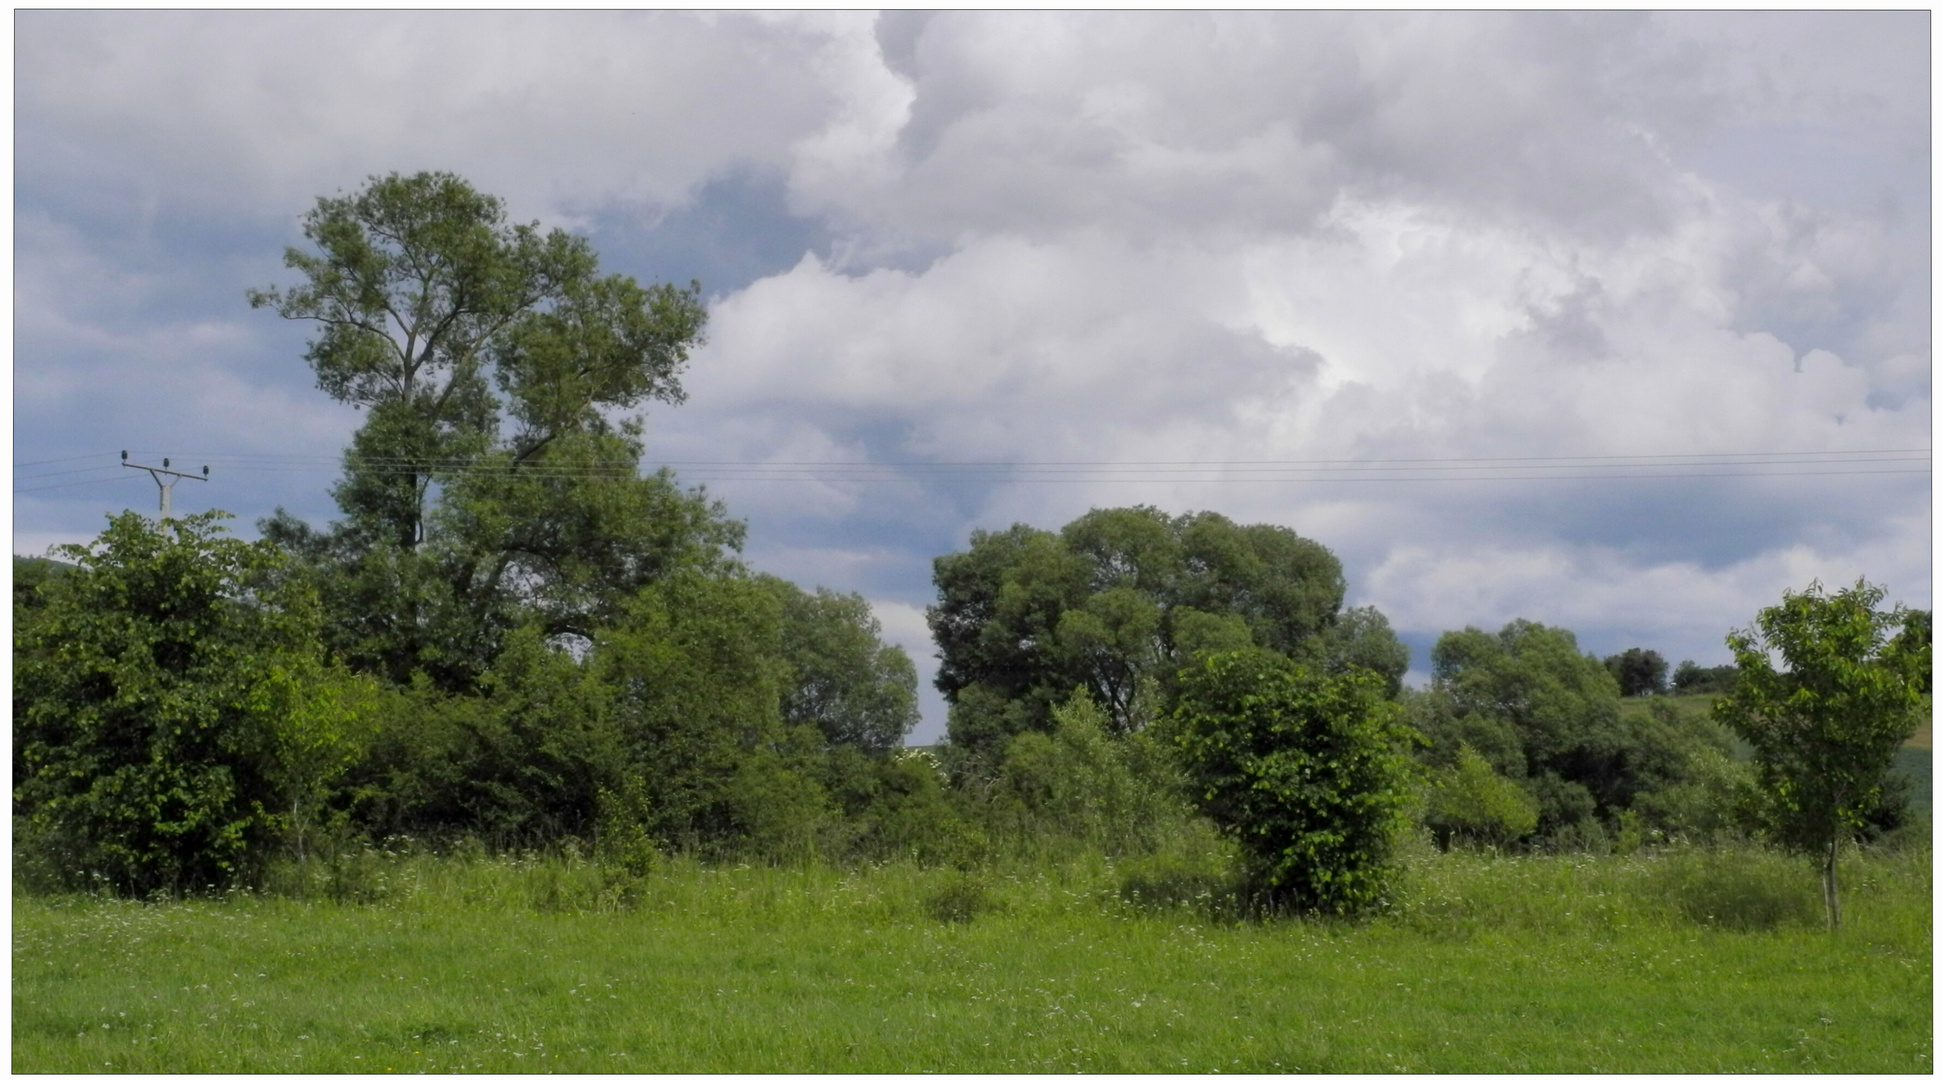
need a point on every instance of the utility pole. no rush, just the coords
(157, 472)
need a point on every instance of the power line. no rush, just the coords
(58, 460)
(1723, 465)
(276, 460)
(1109, 479)
(69, 472)
(73, 483)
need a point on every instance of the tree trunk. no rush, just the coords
(1831, 897)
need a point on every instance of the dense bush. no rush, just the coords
(1308, 772)
(173, 715)
(1078, 787)
(1470, 802)
(1552, 719)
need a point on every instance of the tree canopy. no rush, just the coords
(1547, 716)
(496, 479)
(1119, 599)
(1638, 672)
(1826, 723)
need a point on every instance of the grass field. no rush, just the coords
(1693, 961)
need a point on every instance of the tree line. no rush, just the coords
(512, 634)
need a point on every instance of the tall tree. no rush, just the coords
(1826, 724)
(844, 680)
(1538, 710)
(1118, 600)
(496, 478)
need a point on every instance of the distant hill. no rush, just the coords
(30, 570)
(36, 568)
(1913, 760)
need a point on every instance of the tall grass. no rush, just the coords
(1684, 960)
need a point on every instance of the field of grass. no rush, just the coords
(1693, 961)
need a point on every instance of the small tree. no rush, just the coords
(1307, 771)
(1826, 725)
(1691, 678)
(322, 718)
(152, 744)
(1470, 800)
(1638, 672)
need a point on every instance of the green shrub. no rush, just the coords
(1080, 788)
(962, 898)
(897, 806)
(156, 745)
(1707, 806)
(1308, 772)
(1471, 802)
(623, 842)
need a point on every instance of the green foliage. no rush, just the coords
(1080, 785)
(693, 679)
(522, 762)
(1471, 802)
(845, 681)
(1691, 678)
(1116, 602)
(1531, 679)
(963, 897)
(171, 713)
(29, 574)
(687, 708)
(999, 605)
(488, 486)
(1689, 785)
(1638, 672)
(1309, 772)
(898, 806)
(623, 839)
(1826, 725)
(1362, 638)
(324, 719)
(1552, 719)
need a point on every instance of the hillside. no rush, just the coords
(1913, 760)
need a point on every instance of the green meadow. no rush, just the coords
(1683, 960)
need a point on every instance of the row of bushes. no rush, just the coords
(178, 726)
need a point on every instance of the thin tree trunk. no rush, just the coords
(1831, 897)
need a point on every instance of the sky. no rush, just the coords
(1618, 322)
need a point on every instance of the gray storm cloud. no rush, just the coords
(1088, 237)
